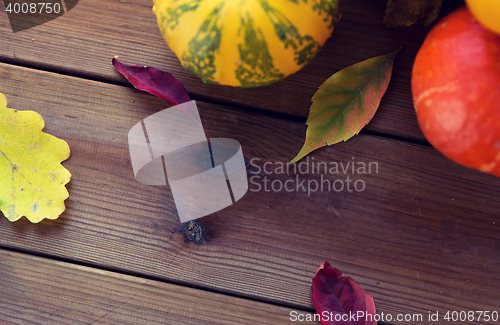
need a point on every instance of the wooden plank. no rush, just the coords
(422, 235)
(84, 40)
(42, 291)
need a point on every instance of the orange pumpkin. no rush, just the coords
(456, 91)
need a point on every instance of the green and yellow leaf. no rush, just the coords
(32, 179)
(346, 102)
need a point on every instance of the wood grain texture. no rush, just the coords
(422, 236)
(85, 40)
(42, 291)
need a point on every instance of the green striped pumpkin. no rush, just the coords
(245, 43)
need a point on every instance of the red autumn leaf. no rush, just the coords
(340, 300)
(157, 82)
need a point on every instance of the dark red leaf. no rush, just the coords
(340, 300)
(157, 82)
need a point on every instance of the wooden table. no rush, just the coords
(423, 236)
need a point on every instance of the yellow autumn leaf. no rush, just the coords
(32, 179)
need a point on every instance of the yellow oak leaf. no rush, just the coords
(32, 179)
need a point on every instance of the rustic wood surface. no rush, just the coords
(83, 42)
(43, 291)
(422, 236)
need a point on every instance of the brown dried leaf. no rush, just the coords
(409, 12)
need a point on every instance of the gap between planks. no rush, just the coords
(52, 291)
(63, 72)
(124, 272)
